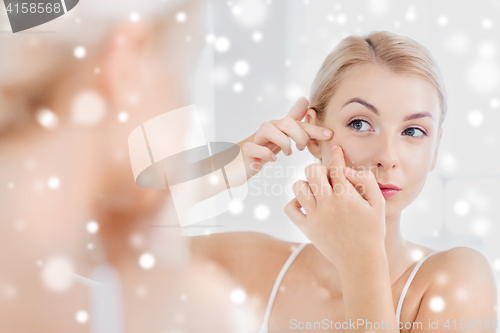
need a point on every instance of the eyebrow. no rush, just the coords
(374, 109)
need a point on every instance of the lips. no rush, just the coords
(388, 190)
(388, 187)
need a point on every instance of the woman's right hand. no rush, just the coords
(274, 136)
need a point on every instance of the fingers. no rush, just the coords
(301, 132)
(337, 168)
(279, 132)
(298, 112)
(292, 129)
(317, 177)
(270, 133)
(316, 132)
(299, 109)
(366, 181)
(292, 210)
(304, 195)
(253, 150)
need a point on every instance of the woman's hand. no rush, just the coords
(345, 220)
(275, 135)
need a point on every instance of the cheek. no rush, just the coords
(357, 151)
(415, 159)
(415, 166)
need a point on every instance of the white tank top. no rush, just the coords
(264, 327)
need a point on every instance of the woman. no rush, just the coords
(383, 97)
(73, 222)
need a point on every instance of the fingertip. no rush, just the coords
(327, 133)
(338, 150)
(350, 172)
(304, 101)
(300, 148)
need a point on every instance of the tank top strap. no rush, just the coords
(407, 285)
(291, 258)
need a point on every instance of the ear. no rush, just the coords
(434, 159)
(313, 144)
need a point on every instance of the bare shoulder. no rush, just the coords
(457, 258)
(467, 262)
(251, 258)
(226, 245)
(460, 264)
(461, 285)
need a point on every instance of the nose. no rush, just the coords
(386, 156)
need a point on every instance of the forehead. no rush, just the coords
(387, 91)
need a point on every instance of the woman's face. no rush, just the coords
(53, 181)
(395, 134)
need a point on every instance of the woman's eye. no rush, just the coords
(362, 125)
(357, 124)
(411, 132)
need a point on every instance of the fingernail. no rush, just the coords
(290, 152)
(273, 157)
(327, 133)
(351, 171)
(334, 147)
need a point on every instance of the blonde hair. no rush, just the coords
(400, 54)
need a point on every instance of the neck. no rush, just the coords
(396, 248)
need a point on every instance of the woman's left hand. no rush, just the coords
(345, 220)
